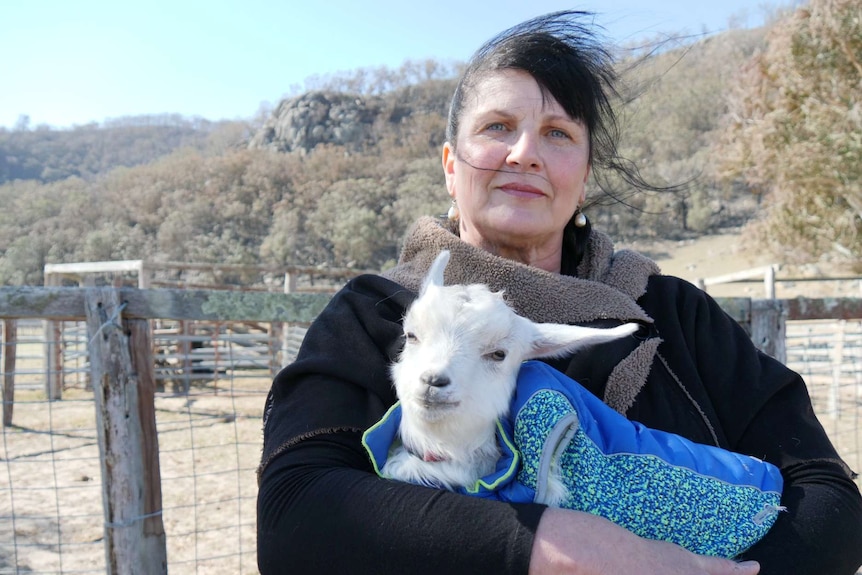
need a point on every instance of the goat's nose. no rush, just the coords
(432, 379)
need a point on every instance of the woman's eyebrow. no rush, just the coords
(563, 118)
(482, 115)
(496, 113)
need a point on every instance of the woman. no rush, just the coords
(529, 121)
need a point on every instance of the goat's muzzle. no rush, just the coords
(432, 379)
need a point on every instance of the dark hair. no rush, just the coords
(567, 57)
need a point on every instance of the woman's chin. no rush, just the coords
(519, 225)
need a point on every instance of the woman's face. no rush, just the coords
(519, 171)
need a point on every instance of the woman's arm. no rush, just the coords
(604, 549)
(821, 533)
(322, 510)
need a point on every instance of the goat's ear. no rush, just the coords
(435, 272)
(550, 339)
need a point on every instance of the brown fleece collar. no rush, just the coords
(607, 287)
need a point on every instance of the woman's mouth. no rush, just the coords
(521, 190)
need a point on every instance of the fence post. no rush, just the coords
(837, 358)
(185, 348)
(134, 533)
(10, 337)
(769, 327)
(289, 287)
(141, 347)
(53, 360)
(769, 282)
(53, 350)
(277, 347)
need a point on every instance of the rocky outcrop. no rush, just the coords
(314, 118)
(349, 120)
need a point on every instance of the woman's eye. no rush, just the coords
(495, 127)
(558, 134)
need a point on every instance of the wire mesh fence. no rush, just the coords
(828, 354)
(208, 417)
(212, 379)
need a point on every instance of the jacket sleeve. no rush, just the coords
(321, 509)
(762, 408)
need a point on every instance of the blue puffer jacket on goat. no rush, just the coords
(656, 484)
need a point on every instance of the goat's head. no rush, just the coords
(463, 348)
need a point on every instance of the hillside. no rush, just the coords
(335, 176)
(48, 155)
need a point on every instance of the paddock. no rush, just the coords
(206, 398)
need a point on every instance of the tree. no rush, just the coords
(795, 133)
(354, 219)
(23, 123)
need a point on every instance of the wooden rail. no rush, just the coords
(767, 276)
(69, 303)
(766, 272)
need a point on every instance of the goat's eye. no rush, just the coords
(496, 355)
(410, 337)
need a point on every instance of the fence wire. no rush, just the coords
(208, 418)
(828, 354)
(213, 378)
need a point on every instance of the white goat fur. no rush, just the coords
(456, 377)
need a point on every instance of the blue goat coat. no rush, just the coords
(656, 484)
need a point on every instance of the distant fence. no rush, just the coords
(147, 463)
(767, 275)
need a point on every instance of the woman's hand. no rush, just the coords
(569, 542)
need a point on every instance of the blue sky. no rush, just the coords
(72, 62)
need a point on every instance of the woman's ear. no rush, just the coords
(449, 167)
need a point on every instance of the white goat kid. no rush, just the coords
(457, 374)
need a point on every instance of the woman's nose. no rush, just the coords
(524, 152)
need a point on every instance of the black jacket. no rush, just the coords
(321, 508)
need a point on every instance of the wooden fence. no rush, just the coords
(122, 375)
(767, 275)
(121, 366)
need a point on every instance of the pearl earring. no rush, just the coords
(580, 219)
(454, 213)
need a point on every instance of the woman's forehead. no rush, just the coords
(510, 90)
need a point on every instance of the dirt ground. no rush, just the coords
(51, 517)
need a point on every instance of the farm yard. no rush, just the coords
(132, 439)
(211, 381)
